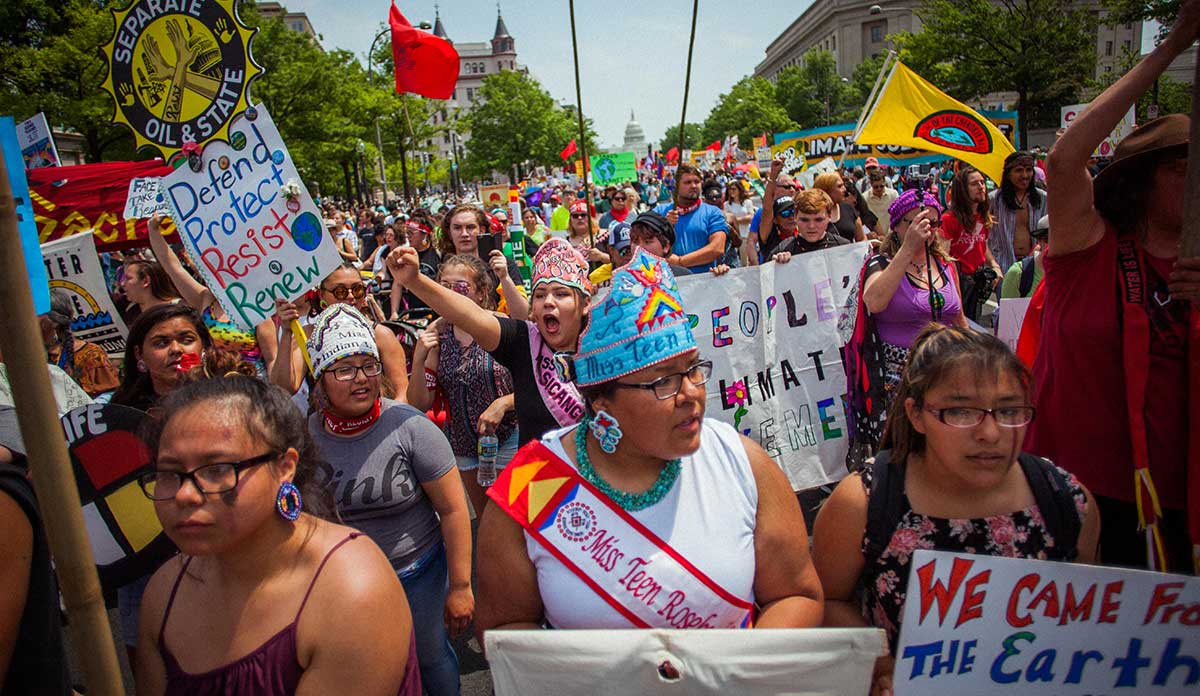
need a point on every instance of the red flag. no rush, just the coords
(673, 155)
(425, 64)
(715, 146)
(568, 150)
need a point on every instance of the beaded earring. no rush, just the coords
(606, 430)
(288, 502)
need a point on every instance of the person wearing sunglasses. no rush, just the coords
(621, 210)
(643, 470)
(267, 593)
(951, 476)
(394, 478)
(344, 286)
(584, 233)
(763, 227)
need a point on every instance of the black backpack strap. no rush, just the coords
(1056, 502)
(1027, 269)
(885, 506)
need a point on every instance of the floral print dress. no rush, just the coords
(1020, 534)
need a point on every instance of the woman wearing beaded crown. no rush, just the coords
(558, 311)
(645, 514)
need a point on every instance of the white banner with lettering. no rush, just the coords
(771, 333)
(72, 265)
(697, 662)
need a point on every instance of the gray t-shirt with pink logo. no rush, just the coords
(377, 477)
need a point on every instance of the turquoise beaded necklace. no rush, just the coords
(628, 501)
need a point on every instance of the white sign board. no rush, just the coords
(72, 265)
(1109, 144)
(37, 143)
(1011, 315)
(697, 663)
(145, 198)
(248, 223)
(771, 333)
(988, 625)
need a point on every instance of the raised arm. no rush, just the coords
(881, 286)
(461, 311)
(1072, 210)
(193, 292)
(768, 207)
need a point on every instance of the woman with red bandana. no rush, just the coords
(393, 478)
(561, 290)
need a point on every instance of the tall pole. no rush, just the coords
(687, 77)
(587, 190)
(378, 139)
(49, 464)
(382, 170)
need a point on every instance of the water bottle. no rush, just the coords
(489, 446)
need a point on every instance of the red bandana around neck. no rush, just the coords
(619, 215)
(350, 426)
(685, 209)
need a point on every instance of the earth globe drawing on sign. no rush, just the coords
(606, 169)
(954, 135)
(307, 232)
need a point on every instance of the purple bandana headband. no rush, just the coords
(911, 200)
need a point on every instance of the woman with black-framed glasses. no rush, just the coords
(268, 596)
(612, 523)
(394, 478)
(951, 476)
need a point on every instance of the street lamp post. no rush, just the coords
(425, 26)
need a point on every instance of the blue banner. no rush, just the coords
(14, 163)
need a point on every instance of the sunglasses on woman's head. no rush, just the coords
(341, 292)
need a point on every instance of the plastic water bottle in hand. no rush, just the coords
(489, 447)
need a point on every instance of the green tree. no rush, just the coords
(1041, 49)
(691, 140)
(813, 93)
(515, 121)
(1124, 11)
(49, 62)
(1174, 97)
(748, 110)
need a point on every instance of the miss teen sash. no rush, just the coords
(561, 397)
(628, 566)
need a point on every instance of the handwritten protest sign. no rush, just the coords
(986, 625)
(493, 196)
(72, 265)
(792, 151)
(695, 662)
(145, 199)
(613, 168)
(248, 224)
(37, 143)
(771, 333)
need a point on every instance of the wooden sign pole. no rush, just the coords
(49, 464)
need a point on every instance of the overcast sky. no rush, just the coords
(630, 57)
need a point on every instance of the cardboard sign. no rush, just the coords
(492, 197)
(107, 455)
(71, 264)
(14, 163)
(987, 625)
(179, 72)
(145, 199)
(248, 224)
(37, 143)
(695, 662)
(613, 168)
(771, 333)
(1108, 146)
(762, 157)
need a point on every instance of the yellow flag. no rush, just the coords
(912, 112)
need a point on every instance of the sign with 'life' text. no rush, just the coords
(988, 625)
(771, 334)
(248, 223)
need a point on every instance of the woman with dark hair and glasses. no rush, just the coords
(256, 347)
(394, 478)
(344, 286)
(951, 476)
(268, 596)
(685, 497)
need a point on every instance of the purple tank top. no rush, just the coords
(271, 670)
(908, 312)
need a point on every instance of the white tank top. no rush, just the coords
(708, 517)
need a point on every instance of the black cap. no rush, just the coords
(783, 204)
(658, 224)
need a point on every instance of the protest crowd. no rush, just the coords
(482, 418)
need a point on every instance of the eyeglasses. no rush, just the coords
(786, 186)
(347, 373)
(970, 416)
(211, 478)
(341, 292)
(579, 216)
(618, 198)
(669, 385)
